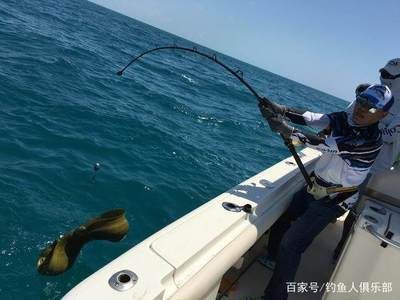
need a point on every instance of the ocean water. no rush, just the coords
(172, 133)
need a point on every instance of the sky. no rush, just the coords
(328, 45)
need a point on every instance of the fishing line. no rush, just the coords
(239, 75)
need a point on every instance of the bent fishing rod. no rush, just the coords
(239, 75)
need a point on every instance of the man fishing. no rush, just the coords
(390, 129)
(352, 144)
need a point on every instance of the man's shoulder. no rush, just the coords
(337, 117)
(338, 114)
(338, 122)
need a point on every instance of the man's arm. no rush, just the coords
(303, 117)
(315, 141)
(278, 124)
(297, 116)
(363, 152)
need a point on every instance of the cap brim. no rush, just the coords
(391, 69)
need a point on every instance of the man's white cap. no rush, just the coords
(378, 96)
(392, 67)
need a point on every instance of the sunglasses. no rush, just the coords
(365, 103)
(386, 75)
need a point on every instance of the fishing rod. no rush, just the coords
(239, 75)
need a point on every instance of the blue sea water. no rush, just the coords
(172, 133)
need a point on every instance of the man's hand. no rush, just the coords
(271, 107)
(274, 114)
(278, 124)
(265, 110)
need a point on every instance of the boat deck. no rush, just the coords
(316, 266)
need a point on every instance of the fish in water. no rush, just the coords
(61, 254)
